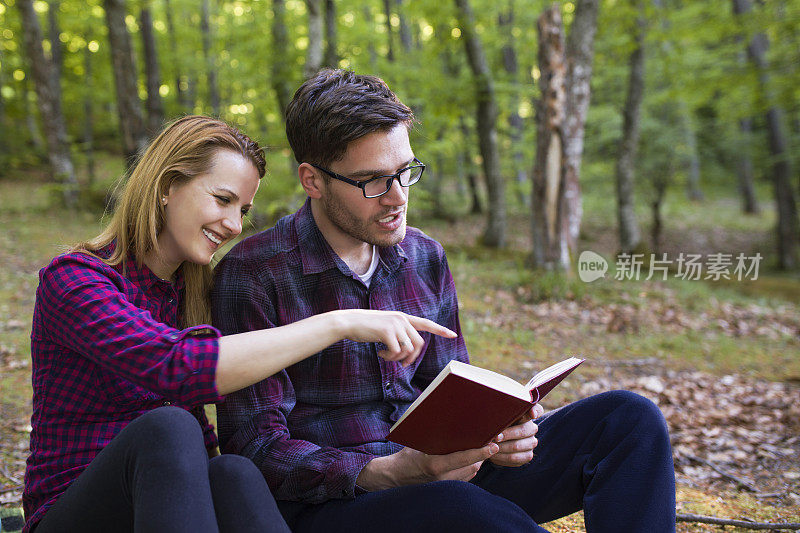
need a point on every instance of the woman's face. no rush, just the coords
(204, 213)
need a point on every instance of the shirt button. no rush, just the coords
(167, 402)
(387, 385)
(171, 300)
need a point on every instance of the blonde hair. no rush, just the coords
(184, 149)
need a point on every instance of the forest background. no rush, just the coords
(628, 128)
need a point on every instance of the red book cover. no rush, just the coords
(465, 407)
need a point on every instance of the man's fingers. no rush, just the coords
(423, 324)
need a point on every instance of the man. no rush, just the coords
(318, 430)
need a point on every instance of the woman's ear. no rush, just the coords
(310, 180)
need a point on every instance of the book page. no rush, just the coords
(490, 379)
(552, 371)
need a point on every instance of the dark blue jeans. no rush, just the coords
(608, 455)
(155, 475)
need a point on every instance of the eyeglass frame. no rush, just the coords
(363, 184)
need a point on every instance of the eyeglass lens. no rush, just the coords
(406, 178)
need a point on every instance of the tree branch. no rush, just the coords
(745, 524)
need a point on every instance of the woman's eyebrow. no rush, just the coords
(225, 189)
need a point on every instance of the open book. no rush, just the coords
(465, 407)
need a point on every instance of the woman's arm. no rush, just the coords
(247, 358)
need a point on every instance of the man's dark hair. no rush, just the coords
(336, 107)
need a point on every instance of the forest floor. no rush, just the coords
(721, 360)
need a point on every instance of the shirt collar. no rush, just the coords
(143, 277)
(318, 256)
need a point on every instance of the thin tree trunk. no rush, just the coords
(315, 48)
(693, 190)
(788, 228)
(629, 235)
(387, 10)
(331, 54)
(155, 107)
(56, 48)
(745, 170)
(208, 54)
(49, 100)
(466, 169)
(280, 46)
(494, 236)
(405, 31)
(129, 107)
(182, 95)
(580, 58)
(88, 114)
(34, 134)
(3, 118)
(550, 250)
(515, 123)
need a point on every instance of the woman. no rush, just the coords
(123, 358)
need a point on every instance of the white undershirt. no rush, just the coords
(366, 277)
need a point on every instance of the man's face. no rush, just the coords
(382, 220)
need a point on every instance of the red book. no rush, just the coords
(465, 407)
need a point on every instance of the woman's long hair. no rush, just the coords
(184, 149)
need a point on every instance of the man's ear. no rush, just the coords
(310, 180)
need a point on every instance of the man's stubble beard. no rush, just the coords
(348, 223)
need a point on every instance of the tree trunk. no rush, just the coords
(549, 223)
(693, 190)
(405, 31)
(579, 58)
(465, 168)
(182, 95)
(208, 55)
(34, 134)
(315, 47)
(155, 108)
(331, 54)
(387, 10)
(788, 228)
(129, 108)
(88, 114)
(745, 168)
(280, 47)
(629, 235)
(56, 48)
(3, 118)
(49, 99)
(494, 236)
(515, 122)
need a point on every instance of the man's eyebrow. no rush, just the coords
(380, 172)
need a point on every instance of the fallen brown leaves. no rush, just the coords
(727, 432)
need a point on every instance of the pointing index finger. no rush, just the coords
(423, 324)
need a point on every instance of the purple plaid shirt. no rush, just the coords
(106, 349)
(313, 427)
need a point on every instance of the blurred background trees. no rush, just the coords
(656, 95)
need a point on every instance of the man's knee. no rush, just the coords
(635, 415)
(462, 506)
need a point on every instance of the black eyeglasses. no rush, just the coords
(380, 185)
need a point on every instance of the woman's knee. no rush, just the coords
(171, 437)
(229, 468)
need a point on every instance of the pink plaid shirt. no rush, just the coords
(106, 348)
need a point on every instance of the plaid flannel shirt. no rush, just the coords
(106, 348)
(313, 427)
